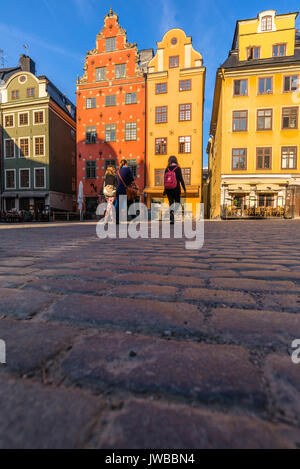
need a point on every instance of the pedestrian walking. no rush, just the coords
(173, 183)
(126, 186)
(110, 191)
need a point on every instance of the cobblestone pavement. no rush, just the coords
(143, 344)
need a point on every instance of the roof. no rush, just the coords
(6, 73)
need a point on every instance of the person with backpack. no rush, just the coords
(173, 183)
(110, 191)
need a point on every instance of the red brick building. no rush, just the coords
(111, 111)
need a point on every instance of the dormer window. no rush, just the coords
(266, 23)
(253, 53)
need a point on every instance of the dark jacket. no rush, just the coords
(110, 180)
(180, 181)
(127, 177)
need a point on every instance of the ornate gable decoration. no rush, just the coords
(111, 21)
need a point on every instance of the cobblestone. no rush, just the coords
(140, 343)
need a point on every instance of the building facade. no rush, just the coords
(254, 145)
(38, 142)
(175, 97)
(111, 112)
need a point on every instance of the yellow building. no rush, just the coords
(254, 145)
(175, 96)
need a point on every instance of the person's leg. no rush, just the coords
(171, 201)
(118, 209)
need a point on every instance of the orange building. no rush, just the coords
(111, 110)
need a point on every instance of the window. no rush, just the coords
(23, 119)
(110, 133)
(253, 53)
(240, 87)
(185, 85)
(290, 117)
(131, 98)
(264, 119)
(266, 23)
(111, 100)
(264, 158)
(39, 178)
(120, 71)
(30, 92)
(186, 174)
(132, 164)
(161, 115)
(9, 121)
(159, 177)
(290, 83)
(24, 147)
(240, 121)
(279, 50)
(265, 200)
(108, 163)
(174, 61)
(101, 74)
(10, 179)
(130, 131)
(15, 94)
(239, 158)
(110, 44)
(90, 135)
(9, 148)
(185, 144)
(161, 88)
(90, 169)
(289, 158)
(265, 85)
(160, 146)
(91, 103)
(39, 117)
(185, 112)
(24, 179)
(39, 146)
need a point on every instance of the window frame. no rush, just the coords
(89, 131)
(265, 92)
(13, 118)
(109, 40)
(39, 111)
(296, 158)
(24, 138)
(110, 132)
(15, 179)
(235, 156)
(247, 88)
(122, 76)
(29, 95)
(248, 49)
(247, 120)
(14, 147)
(93, 167)
(130, 130)
(161, 84)
(297, 118)
(271, 158)
(34, 178)
(161, 113)
(161, 177)
(185, 111)
(290, 76)
(110, 97)
(133, 166)
(131, 93)
(257, 117)
(17, 95)
(266, 18)
(21, 113)
(184, 175)
(92, 100)
(190, 143)
(185, 81)
(96, 71)
(29, 185)
(34, 145)
(279, 45)
(172, 59)
(160, 145)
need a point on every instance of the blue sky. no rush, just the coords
(59, 32)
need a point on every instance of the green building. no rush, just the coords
(38, 142)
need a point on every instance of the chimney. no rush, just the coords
(27, 64)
